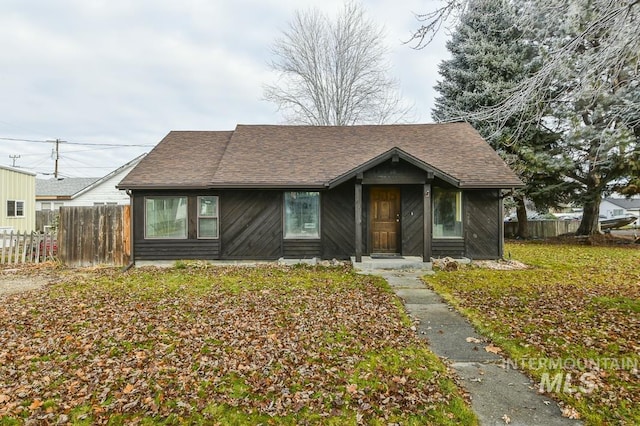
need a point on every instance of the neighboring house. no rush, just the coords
(17, 199)
(265, 192)
(612, 207)
(51, 194)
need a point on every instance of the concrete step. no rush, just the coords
(404, 263)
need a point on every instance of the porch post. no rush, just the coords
(426, 227)
(358, 218)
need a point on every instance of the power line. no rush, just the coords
(23, 140)
(115, 145)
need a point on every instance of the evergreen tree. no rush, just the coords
(586, 89)
(489, 58)
(593, 107)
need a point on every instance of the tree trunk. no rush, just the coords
(521, 214)
(590, 217)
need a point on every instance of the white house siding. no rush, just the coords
(102, 192)
(17, 185)
(609, 209)
(96, 192)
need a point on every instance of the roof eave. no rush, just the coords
(490, 185)
(227, 185)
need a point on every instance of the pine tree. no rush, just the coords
(600, 132)
(489, 58)
(586, 88)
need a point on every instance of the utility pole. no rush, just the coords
(13, 158)
(56, 156)
(55, 170)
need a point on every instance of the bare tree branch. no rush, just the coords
(334, 72)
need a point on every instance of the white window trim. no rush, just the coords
(15, 209)
(216, 216)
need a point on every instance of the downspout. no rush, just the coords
(131, 233)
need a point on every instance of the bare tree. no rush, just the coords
(334, 72)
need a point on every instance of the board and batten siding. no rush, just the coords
(18, 185)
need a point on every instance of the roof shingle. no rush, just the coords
(281, 156)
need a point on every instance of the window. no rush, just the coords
(15, 208)
(618, 212)
(56, 206)
(165, 217)
(208, 217)
(302, 215)
(447, 213)
(46, 205)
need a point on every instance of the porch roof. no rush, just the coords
(276, 156)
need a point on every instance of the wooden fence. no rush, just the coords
(27, 247)
(98, 235)
(46, 218)
(543, 228)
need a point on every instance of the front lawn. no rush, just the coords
(572, 321)
(198, 344)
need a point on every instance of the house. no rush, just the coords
(612, 207)
(265, 192)
(51, 194)
(17, 199)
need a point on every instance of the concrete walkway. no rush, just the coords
(497, 393)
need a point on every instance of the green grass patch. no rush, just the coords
(575, 311)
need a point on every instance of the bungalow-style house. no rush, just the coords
(51, 194)
(17, 200)
(265, 192)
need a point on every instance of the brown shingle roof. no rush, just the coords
(181, 160)
(310, 156)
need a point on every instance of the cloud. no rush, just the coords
(129, 71)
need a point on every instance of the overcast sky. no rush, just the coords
(126, 72)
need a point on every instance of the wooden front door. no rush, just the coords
(384, 213)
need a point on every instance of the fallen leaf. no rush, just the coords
(128, 388)
(352, 388)
(570, 412)
(473, 340)
(506, 419)
(35, 404)
(493, 349)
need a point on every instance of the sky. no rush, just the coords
(110, 78)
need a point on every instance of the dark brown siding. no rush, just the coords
(412, 210)
(251, 224)
(452, 247)
(338, 222)
(482, 224)
(162, 249)
(302, 249)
